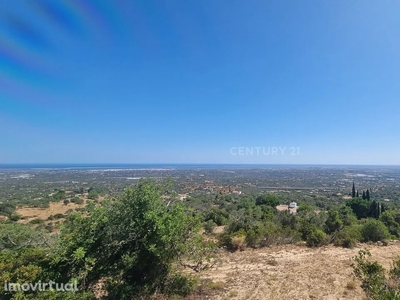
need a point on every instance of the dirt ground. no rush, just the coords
(294, 272)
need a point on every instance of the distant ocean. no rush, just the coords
(175, 166)
(136, 166)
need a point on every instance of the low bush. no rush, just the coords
(374, 231)
(348, 237)
(238, 242)
(77, 200)
(375, 280)
(209, 226)
(316, 238)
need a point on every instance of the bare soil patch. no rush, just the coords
(294, 272)
(30, 213)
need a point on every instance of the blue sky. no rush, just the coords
(84, 81)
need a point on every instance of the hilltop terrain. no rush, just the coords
(294, 272)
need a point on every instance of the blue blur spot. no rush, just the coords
(58, 14)
(25, 32)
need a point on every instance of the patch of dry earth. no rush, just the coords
(294, 272)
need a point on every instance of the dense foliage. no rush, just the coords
(124, 247)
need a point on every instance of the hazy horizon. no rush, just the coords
(172, 165)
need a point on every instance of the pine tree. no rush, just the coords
(357, 194)
(353, 191)
(367, 195)
(363, 195)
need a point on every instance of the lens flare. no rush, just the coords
(37, 39)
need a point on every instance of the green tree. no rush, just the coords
(347, 215)
(218, 216)
(391, 220)
(268, 199)
(14, 236)
(132, 242)
(7, 209)
(333, 222)
(360, 207)
(246, 203)
(375, 209)
(93, 194)
(374, 230)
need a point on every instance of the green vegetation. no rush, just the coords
(376, 281)
(254, 222)
(136, 245)
(374, 231)
(130, 244)
(77, 200)
(7, 209)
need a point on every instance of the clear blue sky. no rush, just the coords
(192, 81)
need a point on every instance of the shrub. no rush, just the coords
(348, 237)
(7, 209)
(316, 238)
(132, 241)
(180, 285)
(77, 200)
(218, 216)
(389, 219)
(36, 221)
(93, 194)
(209, 226)
(238, 242)
(49, 228)
(225, 239)
(273, 234)
(14, 236)
(373, 277)
(14, 217)
(374, 230)
(58, 216)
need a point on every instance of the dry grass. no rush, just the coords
(219, 285)
(293, 272)
(239, 242)
(233, 294)
(29, 214)
(351, 285)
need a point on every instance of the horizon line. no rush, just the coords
(194, 163)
